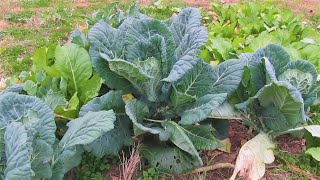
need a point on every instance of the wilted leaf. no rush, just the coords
(253, 156)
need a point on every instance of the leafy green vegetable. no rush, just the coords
(157, 62)
(279, 90)
(29, 148)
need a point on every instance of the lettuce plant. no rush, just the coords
(275, 90)
(63, 77)
(156, 63)
(28, 146)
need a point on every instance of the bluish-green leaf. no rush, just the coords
(202, 108)
(86, 129)
(14, 107)
(137, 111)
(18, 152)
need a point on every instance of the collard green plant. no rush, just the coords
(275, 90)
(29, 148)
(157, 62)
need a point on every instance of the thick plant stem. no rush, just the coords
(213, 167)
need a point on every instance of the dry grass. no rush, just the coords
(129, 166)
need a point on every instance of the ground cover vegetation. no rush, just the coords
(130, 79)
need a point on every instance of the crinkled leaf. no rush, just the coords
(189, 37)
(14, 107)
(15, 89)
(225, 111)
(202, 136)
(88, 128)
(149, 30)
(253, 156)
(281, 106)
(179, 99)
(180, 139)
(137, 111)
(18, 152)
(169, 159)
(198, 81)
(227, 76)
(105, 39)
(202, 108)
(41, 156)
(111, 142)
(55, 99)
(144, 76)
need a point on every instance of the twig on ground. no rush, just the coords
(213, 167)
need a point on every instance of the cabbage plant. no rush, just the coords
(29, 148)
(276, 91)
(168, 91)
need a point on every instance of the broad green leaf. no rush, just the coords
(225, 111)
(107, 40)
(65, 161)
(180, 139)
(202, 137)
(41, 156)
(74, 64)
(169, 159)
(86, 129)
(186, 53)
(281, 106)
(111, 100)
(14, 107)
(227, 76)
(90, 88)
(30, 87)
(137, 111)
(189, 37)
(277, 56)
(202, 108)
(179, 99)
(149, 30)
(222, 46)
(184, 23)
(144, 75)
(55, 99)
(111, 142)
(314, 152)
(18, 152)
(198, 81)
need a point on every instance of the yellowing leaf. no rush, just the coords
(214, 63)
(253, 156)
(127, 97)
(225, 145)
